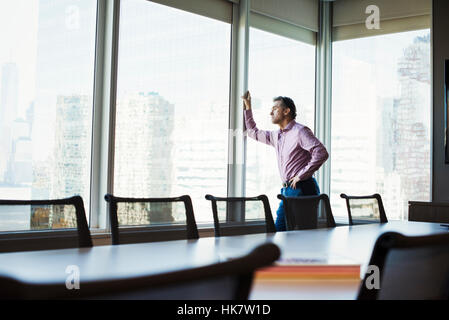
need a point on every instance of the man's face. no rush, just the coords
(278, 113)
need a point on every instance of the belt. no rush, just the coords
(285, 184)
(306, 183)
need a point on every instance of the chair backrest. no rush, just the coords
(145, 211)
(365, 209)
(239, 203)
(305, 212)
(409, 268)
(227, 280)
(43, 224)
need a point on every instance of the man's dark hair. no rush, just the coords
(287, 103)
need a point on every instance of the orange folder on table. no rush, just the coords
(300, 268)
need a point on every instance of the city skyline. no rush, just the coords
(46, 111)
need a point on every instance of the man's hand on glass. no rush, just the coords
(247, 100)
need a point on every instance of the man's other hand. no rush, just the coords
(293, 182)
(247, 100)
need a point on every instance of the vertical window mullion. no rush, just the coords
(239, 84)
(323, 89)
(104, 109)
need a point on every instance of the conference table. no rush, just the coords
(354, 243)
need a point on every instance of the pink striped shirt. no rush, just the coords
(299, 152)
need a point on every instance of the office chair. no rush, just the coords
(409, 268)
(362, 205)
(226, 280)
(241, 201)
(144, 211)
(54, 220)
(304, 212)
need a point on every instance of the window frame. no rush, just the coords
(105, 91)
(45, 236)
(394, 31)
(106, 96)
(103, 119)
(289, 32)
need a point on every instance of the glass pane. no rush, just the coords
(172, 105)
(144, 213)
(278, 66)
(37, 217)
(364, 209)
(46, 84)
(381, 120)
(253, 209)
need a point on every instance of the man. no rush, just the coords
(299, 152)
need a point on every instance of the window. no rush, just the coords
(278, 66)
(381, 120)
(171, 131)
(46, 85)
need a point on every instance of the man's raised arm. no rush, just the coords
(251, 128)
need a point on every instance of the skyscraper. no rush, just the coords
(412, 148)
(380, 122)
(143, 161)
(61, 132)
(70, 169)
(200, 155)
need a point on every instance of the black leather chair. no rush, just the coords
(144, 207)
(304, 212)
(241, 201)
(367, 203)
(54, 224)
(409, 268)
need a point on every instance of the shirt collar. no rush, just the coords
(288, 126)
